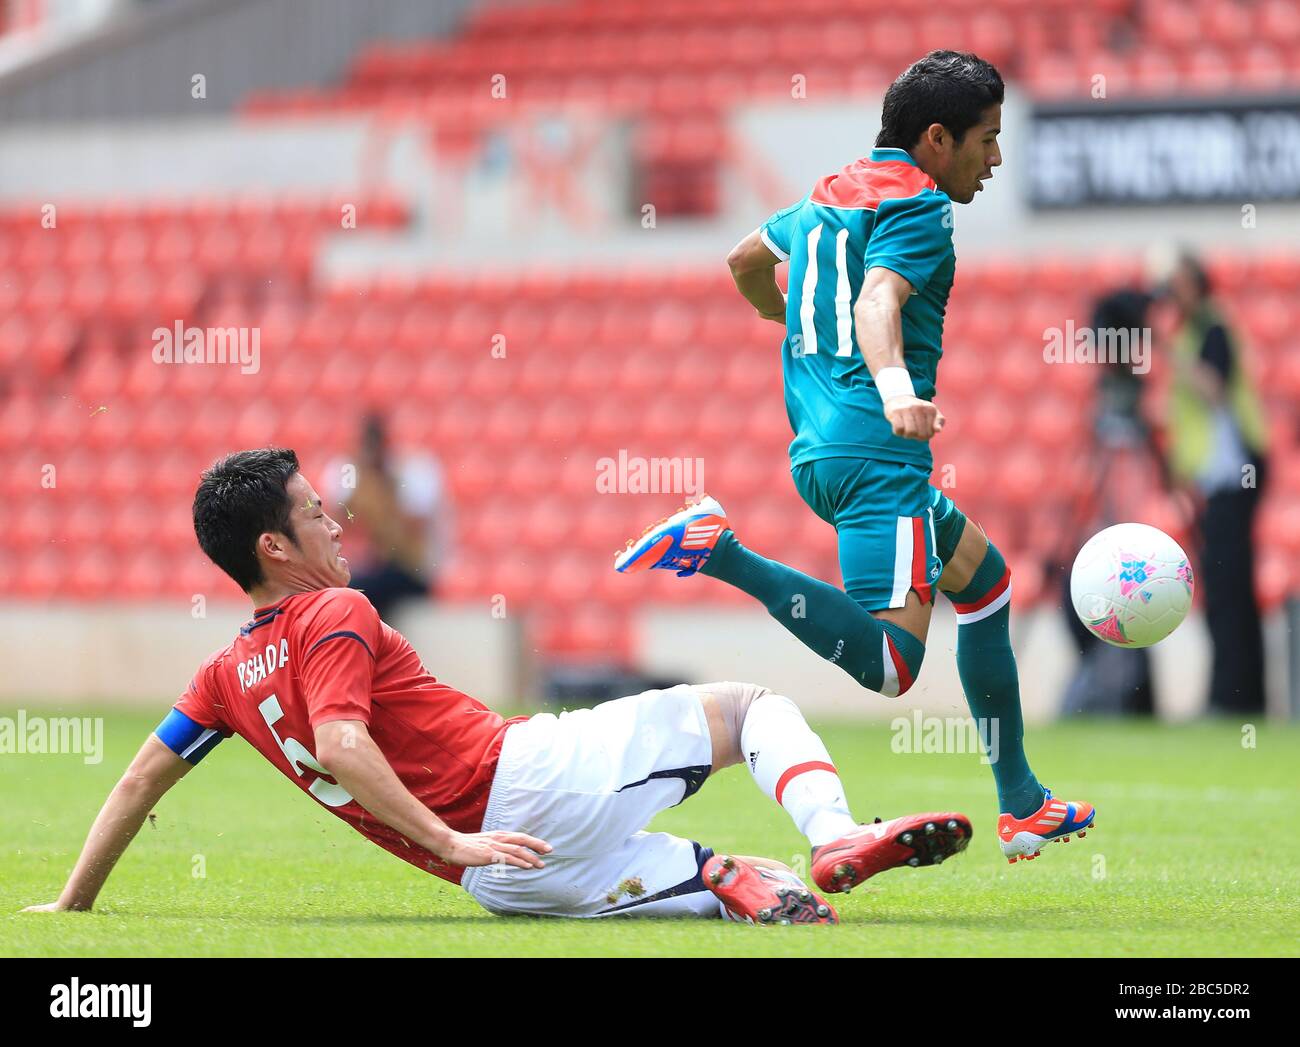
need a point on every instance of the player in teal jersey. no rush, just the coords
(871, 264)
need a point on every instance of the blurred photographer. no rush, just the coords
(1217, 440)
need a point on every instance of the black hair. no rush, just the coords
(1123, 308)
(240, 498)
(951, 88)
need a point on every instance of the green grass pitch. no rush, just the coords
(1194, 854)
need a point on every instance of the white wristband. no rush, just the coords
(892, 382)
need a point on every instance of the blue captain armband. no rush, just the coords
(189, 740)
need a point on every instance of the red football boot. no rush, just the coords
(754, 895)
(914, 840)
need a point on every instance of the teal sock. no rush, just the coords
(987, 667)
(825, 619)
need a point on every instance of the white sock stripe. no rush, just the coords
(984, 612)
(889, 684)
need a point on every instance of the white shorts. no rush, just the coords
(588, 782)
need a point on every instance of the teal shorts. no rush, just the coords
(896, 531)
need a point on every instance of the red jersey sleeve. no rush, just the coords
(201, 703)
(340, 641)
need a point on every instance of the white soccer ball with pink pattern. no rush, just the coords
(1131, 585)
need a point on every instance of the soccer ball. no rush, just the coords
(1131, 585)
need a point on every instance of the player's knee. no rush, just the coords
(988, 590)
(950, 524)
(993, 565)
(731, 701)
(902, 657)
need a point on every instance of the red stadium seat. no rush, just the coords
(606, 421)
(1261, 67)
(1155, 73)
(991, 423)
(464, 580)
(1029, 580)
(961, 470)
(514, 582)
(546, 525)
(585, 631)
(1279, 22)
(1171, 23)
(505, 427)
(1207, 70)
(1275, 579)
(91, 573)
(106, 429)
(1228, 22)
(1286, 377)
(528, 474)
(1054, 422)
(41, 575)
(1279, 525)
(1021, 477)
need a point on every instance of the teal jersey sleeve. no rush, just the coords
(778, 230)
(912, 237)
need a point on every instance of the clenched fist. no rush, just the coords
(913, 418)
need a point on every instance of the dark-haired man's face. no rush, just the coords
(962, 167)
(1184, 289)
(312, 561)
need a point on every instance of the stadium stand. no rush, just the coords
(674, 364)
(672, 361)
(692, 55)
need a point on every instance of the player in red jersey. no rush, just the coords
(542, 815)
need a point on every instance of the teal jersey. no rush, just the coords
(885, 211)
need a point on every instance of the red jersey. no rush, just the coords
(325, 655)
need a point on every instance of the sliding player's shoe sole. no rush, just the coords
(760, 896)
(1022, 839)
(681, 542)
(912, 841)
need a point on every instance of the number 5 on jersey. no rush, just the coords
(331, 794)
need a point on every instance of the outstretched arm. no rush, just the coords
(753, 268)
(154, 770)
(346, 750)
